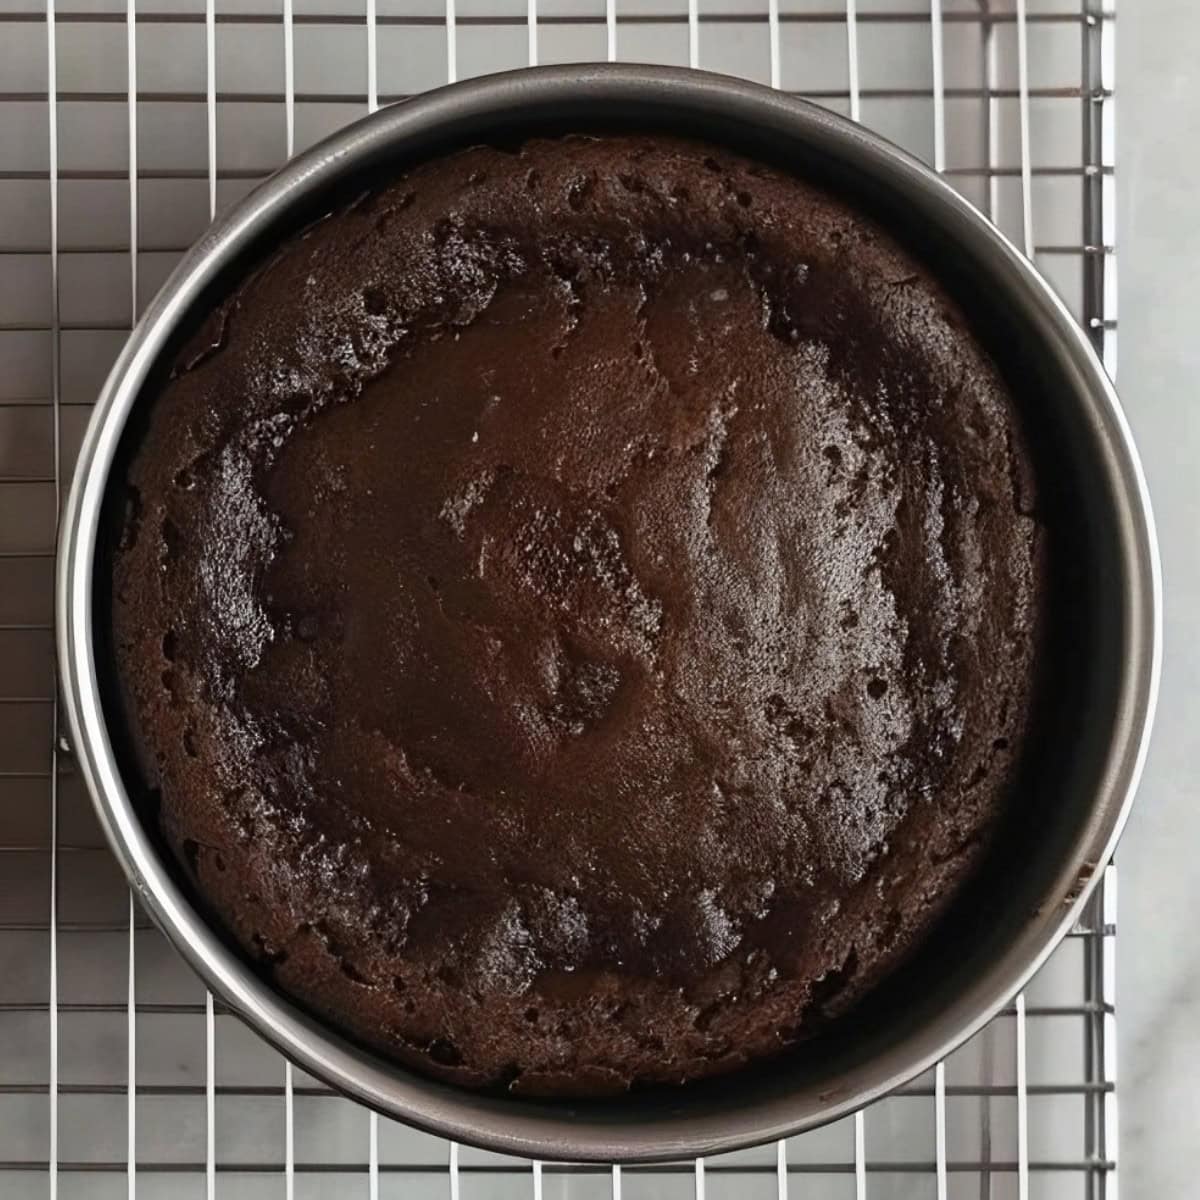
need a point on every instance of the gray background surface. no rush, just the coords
(162, 1122)
(1158, 961)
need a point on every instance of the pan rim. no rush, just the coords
(561, 1130)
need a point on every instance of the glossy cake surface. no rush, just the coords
(577, 607)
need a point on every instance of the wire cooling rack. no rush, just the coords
(124, 126)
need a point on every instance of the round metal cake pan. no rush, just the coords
(1079, 795)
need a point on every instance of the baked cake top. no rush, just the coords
(577, 606)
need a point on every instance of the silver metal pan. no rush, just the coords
(1091, 740)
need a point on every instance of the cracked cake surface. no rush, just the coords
(576, 606)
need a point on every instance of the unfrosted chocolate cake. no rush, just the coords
(578, 607)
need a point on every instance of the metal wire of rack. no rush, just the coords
(123, 130)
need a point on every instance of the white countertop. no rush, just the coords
(1158, 965)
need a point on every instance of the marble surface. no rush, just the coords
(1158, 952)
(1158, 965)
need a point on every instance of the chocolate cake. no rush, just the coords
(577, 607)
